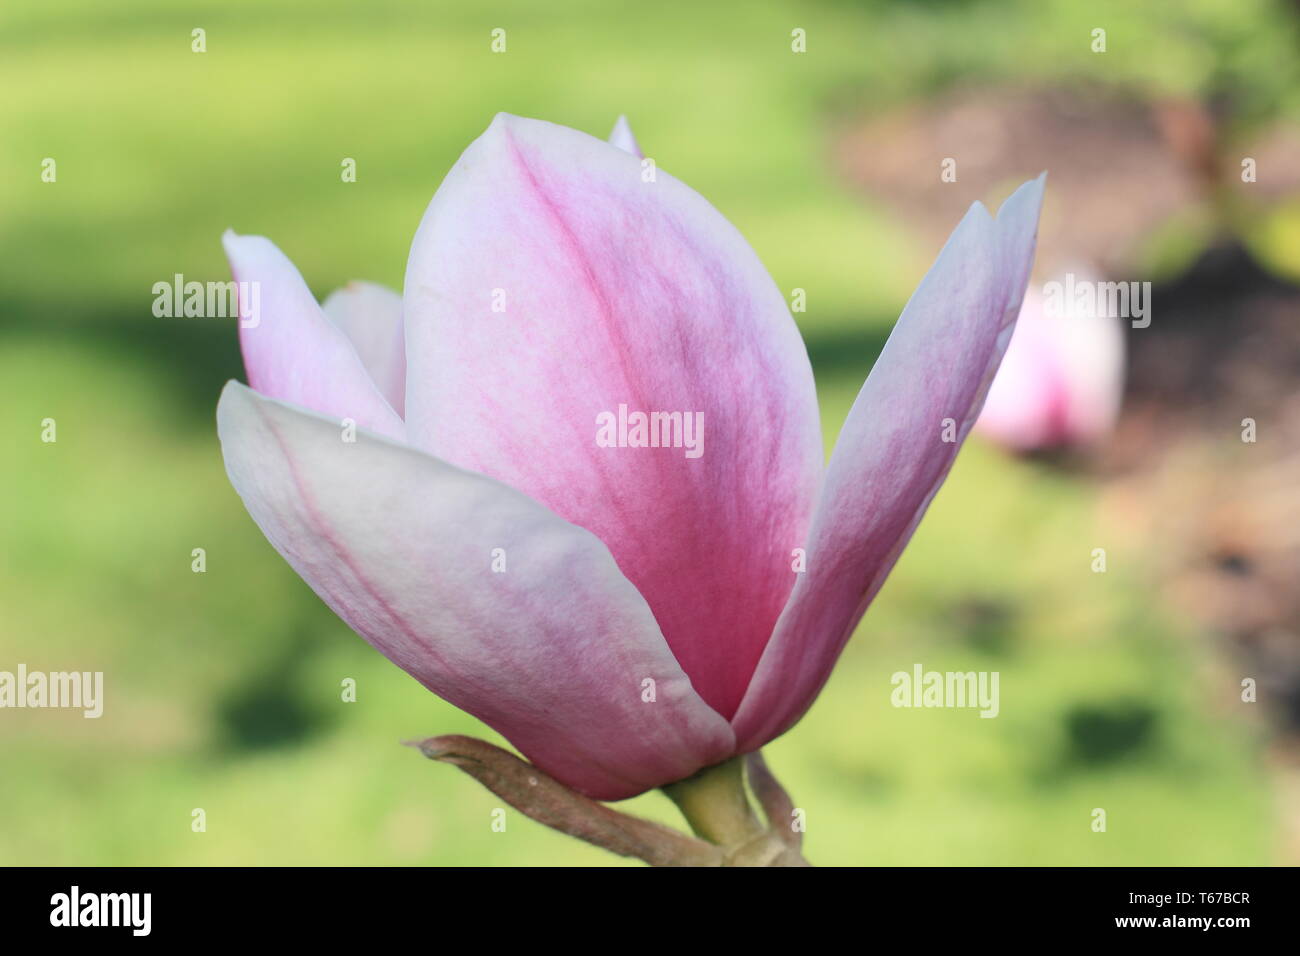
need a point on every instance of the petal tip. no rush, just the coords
(246, 249)
(236, 397)
(502, 122)
(235, 391)
(230, 242)
(1029, 196)
(622, 137)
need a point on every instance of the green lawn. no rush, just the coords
(223, 687)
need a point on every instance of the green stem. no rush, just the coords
(715, 804)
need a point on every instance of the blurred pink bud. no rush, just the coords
(1061, 381)
(623, 615)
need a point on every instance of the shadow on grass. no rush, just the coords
(194, 357)
(848, 350)
(1098, 734)
(271, 707)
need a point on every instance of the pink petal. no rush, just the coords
(371, 317)
(618, 292)
(891, 457)
(553, 652)
(622, 138)
(1028, 402)
(292, 352)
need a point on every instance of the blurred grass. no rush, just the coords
(223, 687)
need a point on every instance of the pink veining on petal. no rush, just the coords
(619, 291)
(553, 647)
(894, 452)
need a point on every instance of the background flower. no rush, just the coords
(1061, 380)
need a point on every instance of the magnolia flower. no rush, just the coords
(624, 614)
(1061, 380)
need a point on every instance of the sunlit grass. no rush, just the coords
(223, 687)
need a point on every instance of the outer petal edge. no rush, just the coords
(891, 457)
(554, 652)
